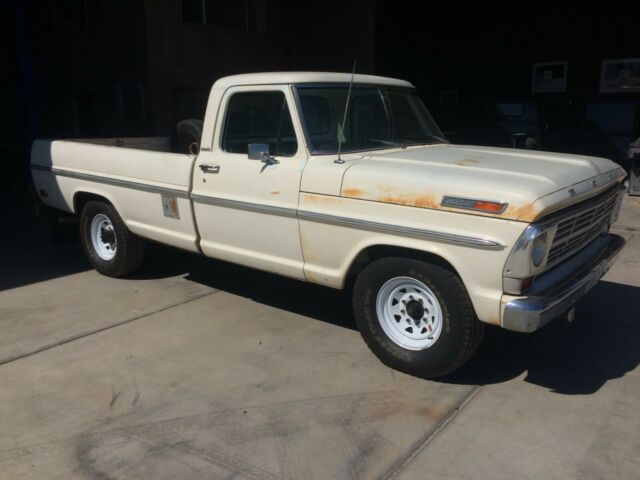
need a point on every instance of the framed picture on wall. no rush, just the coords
(549, 77)
(620, 75)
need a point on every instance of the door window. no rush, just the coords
(259, 117)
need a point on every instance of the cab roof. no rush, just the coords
(279, 78)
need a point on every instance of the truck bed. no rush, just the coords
(154, 144)
(148, 185)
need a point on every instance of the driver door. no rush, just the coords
(246, 209)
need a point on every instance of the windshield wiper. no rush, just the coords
(409, 141)
(433, 137)
(387, 142)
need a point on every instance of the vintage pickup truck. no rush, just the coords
(346, 181)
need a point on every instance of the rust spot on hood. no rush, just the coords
(467, 161)
(276, 192)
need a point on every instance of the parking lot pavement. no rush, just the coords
(629, 219)
(200, 369)
(216, 386)
(50, 312)
(567, 404)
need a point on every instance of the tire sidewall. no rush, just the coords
(90, 210)
(439, 356)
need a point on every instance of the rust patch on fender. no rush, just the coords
(427, 200)
(319, 199)
(353, 192)
(399, 199)
(276, 192)
(466, 162)
(526, 212)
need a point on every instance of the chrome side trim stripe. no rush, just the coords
(400, 230)
(287, 212)
(112, 181)
(351, 222)
(250, 207)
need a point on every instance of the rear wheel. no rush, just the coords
(108, 244)
(416, 317)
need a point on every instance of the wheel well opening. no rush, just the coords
(377, 252)
(82, 198)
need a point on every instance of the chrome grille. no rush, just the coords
(580, 228)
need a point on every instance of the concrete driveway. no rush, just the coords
(200, 369)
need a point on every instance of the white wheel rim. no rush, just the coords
(409, 313)
(103, 237)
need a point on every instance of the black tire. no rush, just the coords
(130, 248)
(461, 331)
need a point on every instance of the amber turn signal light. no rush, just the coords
(492, 207)
(473, 204)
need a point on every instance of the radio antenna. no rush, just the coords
(344, 117)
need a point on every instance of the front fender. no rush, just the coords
(330, 250)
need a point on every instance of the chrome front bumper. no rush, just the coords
(558, 290)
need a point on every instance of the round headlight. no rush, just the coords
(539, 250)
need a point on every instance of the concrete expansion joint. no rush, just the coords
(423, 443)
(426, 440)
(73, 338)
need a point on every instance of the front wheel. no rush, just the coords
(416, 316)
(108, 244)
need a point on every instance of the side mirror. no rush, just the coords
(258, 151)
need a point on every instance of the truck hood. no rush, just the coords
(532, 183)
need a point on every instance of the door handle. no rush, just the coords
(269, 160)
(208, 168)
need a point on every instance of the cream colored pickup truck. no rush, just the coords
(346, 181)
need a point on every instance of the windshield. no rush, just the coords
(378, 117)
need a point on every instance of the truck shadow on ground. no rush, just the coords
(578, 358)
(567, 358)
(314, 301)
(23, 266)
(35, 248)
